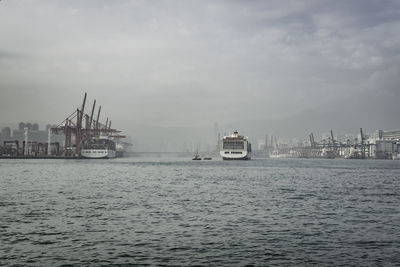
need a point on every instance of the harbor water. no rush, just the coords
(175, 211)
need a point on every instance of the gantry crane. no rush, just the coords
(76, 134)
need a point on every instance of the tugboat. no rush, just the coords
(196, 156)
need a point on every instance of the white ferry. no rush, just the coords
(98, 148)
(234, 147)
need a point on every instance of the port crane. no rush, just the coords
(334, 146)
(79, 127)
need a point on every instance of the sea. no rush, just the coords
(168, 211)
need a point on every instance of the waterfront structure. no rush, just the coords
(387, 144)
(28, 141)
(119, 150)
(235, 147)
(64, 140)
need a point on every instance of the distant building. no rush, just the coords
(30, 126)
(21, 126)
(5, 133)
(388, 135)
(34, 133)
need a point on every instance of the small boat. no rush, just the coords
(196, 157)
(207, 158)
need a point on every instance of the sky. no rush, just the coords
(174, 72)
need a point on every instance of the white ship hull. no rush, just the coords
(235, 155)
(98, 153)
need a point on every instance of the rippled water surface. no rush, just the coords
(169, 211)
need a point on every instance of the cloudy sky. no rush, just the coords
(269, 66)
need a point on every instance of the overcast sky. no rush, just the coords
(196, 63)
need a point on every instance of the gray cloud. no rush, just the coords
(193, 63)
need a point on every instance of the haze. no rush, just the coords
(174, 72)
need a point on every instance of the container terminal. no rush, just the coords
(64, 141)
(383, 144)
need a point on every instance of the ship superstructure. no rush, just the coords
(235, 147)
